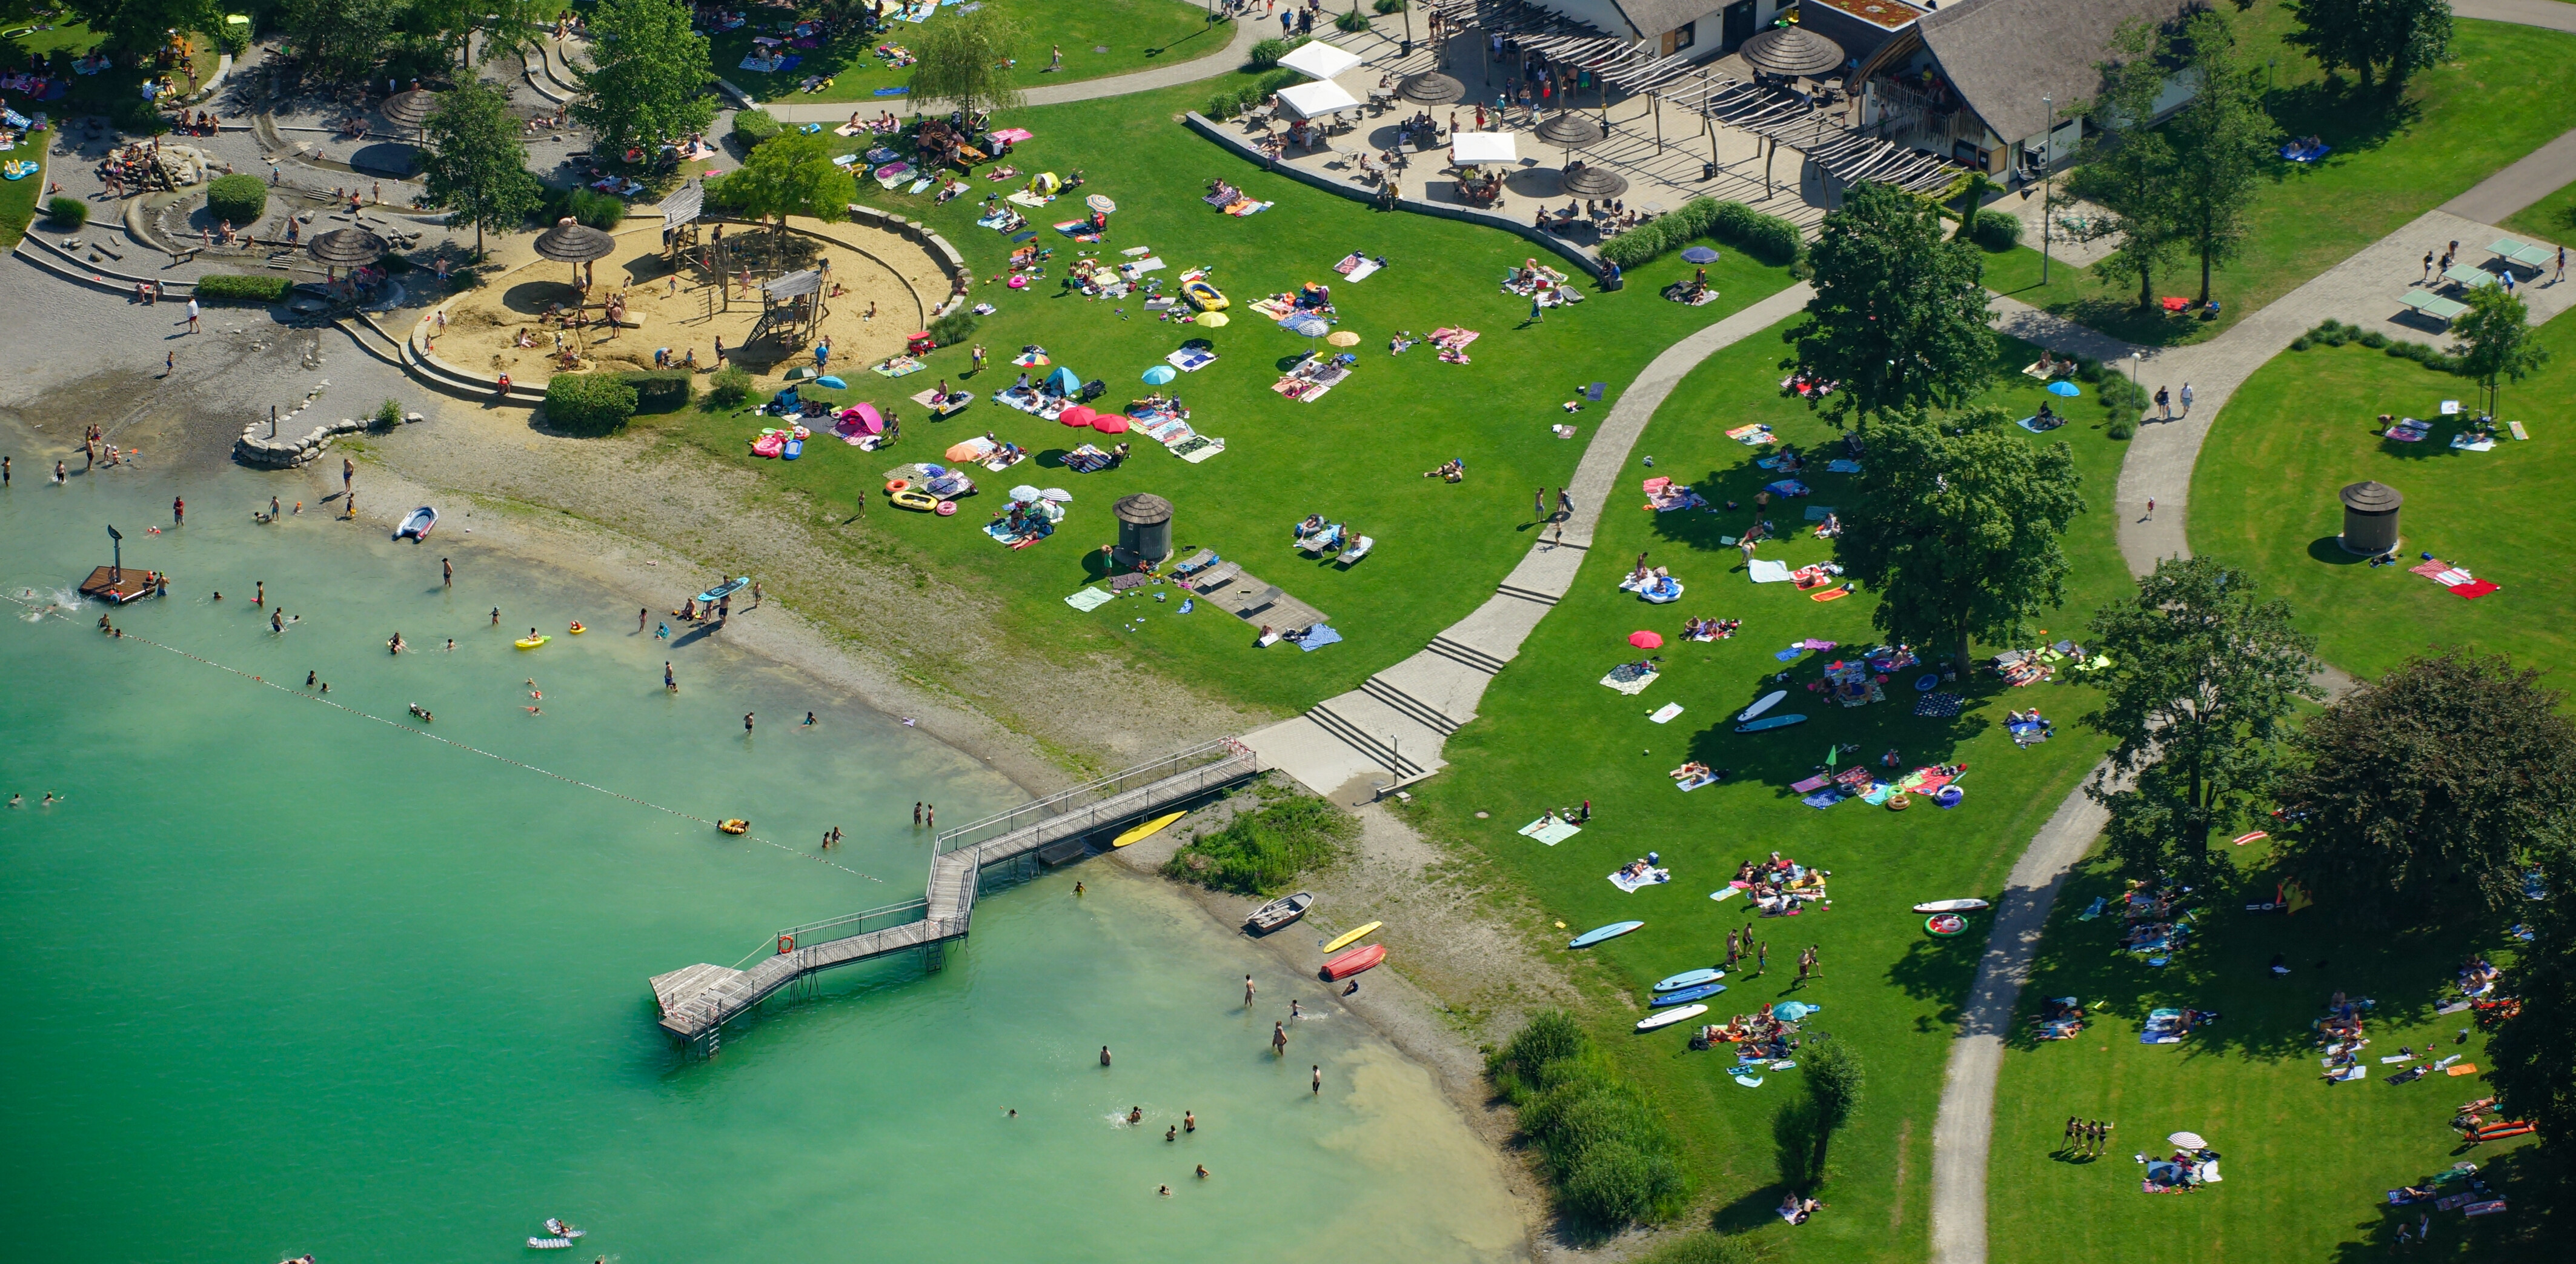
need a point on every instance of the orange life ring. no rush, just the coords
(896, 485)
(786, 944)
(1899, 801)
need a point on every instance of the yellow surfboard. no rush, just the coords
(1350, 937)
(1147, 830)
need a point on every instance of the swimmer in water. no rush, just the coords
(1172, 1133)
(809, 719)
(451, 645)
(496, 617)
(17, 800)
(276, 624)
(1014, 1113)
(260, 596)
(50, 799)
(219, 596)
(1189, 1121)
(308, 679)
(1135, 1114)
(1164, 1190)
(534, 711)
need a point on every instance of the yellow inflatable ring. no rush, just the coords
(734, 825)
(577, 629)
(1899, 802)
(529, 643)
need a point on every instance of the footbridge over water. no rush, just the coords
(698, 1000)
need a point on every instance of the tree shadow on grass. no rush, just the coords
(1788, 755)
(2342, 113)
(1940, 968)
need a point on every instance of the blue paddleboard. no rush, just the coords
(832, 382)
(1597, 934)
(1690, 978)
(1687, 995)
(1771, 722)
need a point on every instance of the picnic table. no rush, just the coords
(2533, 257)
(2468, 276)
(2434, 305)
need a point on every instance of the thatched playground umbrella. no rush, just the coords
(571, 241)
(1792, 51)
(1592, 182)
(1431, 88)
(345, 248)
(1570, 131)
(411, 108)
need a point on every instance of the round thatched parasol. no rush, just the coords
(571, 241)
(1592, 182)
(1792, 50)
(1431, 88)
(346, 248)
(1570, 131)
(411, 108)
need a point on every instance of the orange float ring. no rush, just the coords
(786, 944)
(899, 484)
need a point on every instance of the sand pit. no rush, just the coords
(522, 322)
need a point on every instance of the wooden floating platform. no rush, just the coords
(696, 1000)
(107, 583)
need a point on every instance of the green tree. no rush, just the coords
(792, 175)
(966, 60)
(1899, 316)
(143, 25)
(2128, 167)
(1835, 1083)
(2223, 142)
(2533, 1076)
(1957, 527)
(1969, 192)
(2495, 343)
(2386, 39)
(2203, 680)
(2431, 791)
(342, 40)
(648, 79)
(476, 167)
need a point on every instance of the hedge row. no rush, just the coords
(1766, 237)
(1602, 1142)
(2335, 333)
(228, 286)
(755, 126)
(1232, 101)
(661, 390)
(587, 206)
(589, 403)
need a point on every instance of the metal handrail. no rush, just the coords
(1067, 801)
(846, 926)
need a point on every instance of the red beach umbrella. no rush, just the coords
(1110, 423)
(1079, 415)
(1646, 640)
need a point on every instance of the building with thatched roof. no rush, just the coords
(1698, 29)
(1998, 84)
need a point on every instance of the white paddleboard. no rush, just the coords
(1670, 1017)
(1765, 703)
(1950, 906)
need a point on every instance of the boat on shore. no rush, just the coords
(417, 524)
(1280, 912)
(1353, 962)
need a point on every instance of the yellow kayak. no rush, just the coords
(1147, 830)
(1353, 936)
(529, 643)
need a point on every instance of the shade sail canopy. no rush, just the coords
(346, 247)
(1315, 100)
(1431, 88)
(1792, 50)
(571, 241)
(1593, 182)
(1469, 148)
(1319, 60)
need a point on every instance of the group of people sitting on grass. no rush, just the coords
(1755, 1036)
(1453, 470)
(1780, 886)
(1807, 385)
(1697, 629)
(1693, 770)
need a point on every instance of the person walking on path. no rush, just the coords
(1564, 505)
(1538, 505)
(2151, 510)
(2562, 267)
(192, 315)
(348, 473)
(169, 363)
(2164, 403)
(2428, 273)
(2186, 399)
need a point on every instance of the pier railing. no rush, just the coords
(1088, 797)
(813, 934)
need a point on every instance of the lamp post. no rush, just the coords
(2133, 369)
(2047, 169)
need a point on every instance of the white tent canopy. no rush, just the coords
(1319, 60)
(1315, 100)
(1469, 148)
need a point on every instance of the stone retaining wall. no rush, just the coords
(287, 450)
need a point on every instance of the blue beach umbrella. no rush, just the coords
(1310, 326)
(2064, 388)
(1160, 374)
(1699, 254)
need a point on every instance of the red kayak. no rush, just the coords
(1352, 962)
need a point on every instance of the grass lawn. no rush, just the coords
(2303, 426)
(1129, 34)
(1549, 736)
(18, 198)
(2551, 219)
(2496, 100)
(2307, 1165)
(1357, 454)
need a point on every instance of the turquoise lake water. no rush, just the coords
(288, 979)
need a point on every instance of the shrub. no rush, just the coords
(2301, 343)
(1767, 237)
(1703, 1248)
(953, 328)
(1275, 80)
(1636, 246)
(660, 390)
(1261, 851)
(2373, 339)
(2122, 426)
(1221, 106)
(587, 206)
(1351, 20)
(589, 403)
(234, 287)
(70, 212)
(729, 386)
(1602, 1142)
(238, 199)
(1390, 6)
(1996, 231)
(1267, 53)
(752, 127)
(387, 416)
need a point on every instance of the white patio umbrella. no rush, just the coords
(1319, 60)
(2188, 1141)
(1024, 493)
(1315, 100)
(1467, 149)
(1056, 495)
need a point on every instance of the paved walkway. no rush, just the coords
(2544, 13)
(1392, 727)
(1214, 62)
(2542, 172)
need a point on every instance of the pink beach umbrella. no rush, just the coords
(1110, 423)
(1079, 415)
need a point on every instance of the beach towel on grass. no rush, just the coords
(1317, 637)
(1723, 894)
(1842, 467)
(1631, 885)
(1816, 513)
(1355, 266)
(1817, 782)
(1665, 713)
(1937, 705)
(1823, 799)
(1551, 832)
(2473, 589)
(1089, 599)
(1765, 571)
(1627, 683)
(1693, 783)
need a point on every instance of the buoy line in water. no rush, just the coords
(61, 612)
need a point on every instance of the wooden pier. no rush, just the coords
(698, 1000)
(114, 584)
